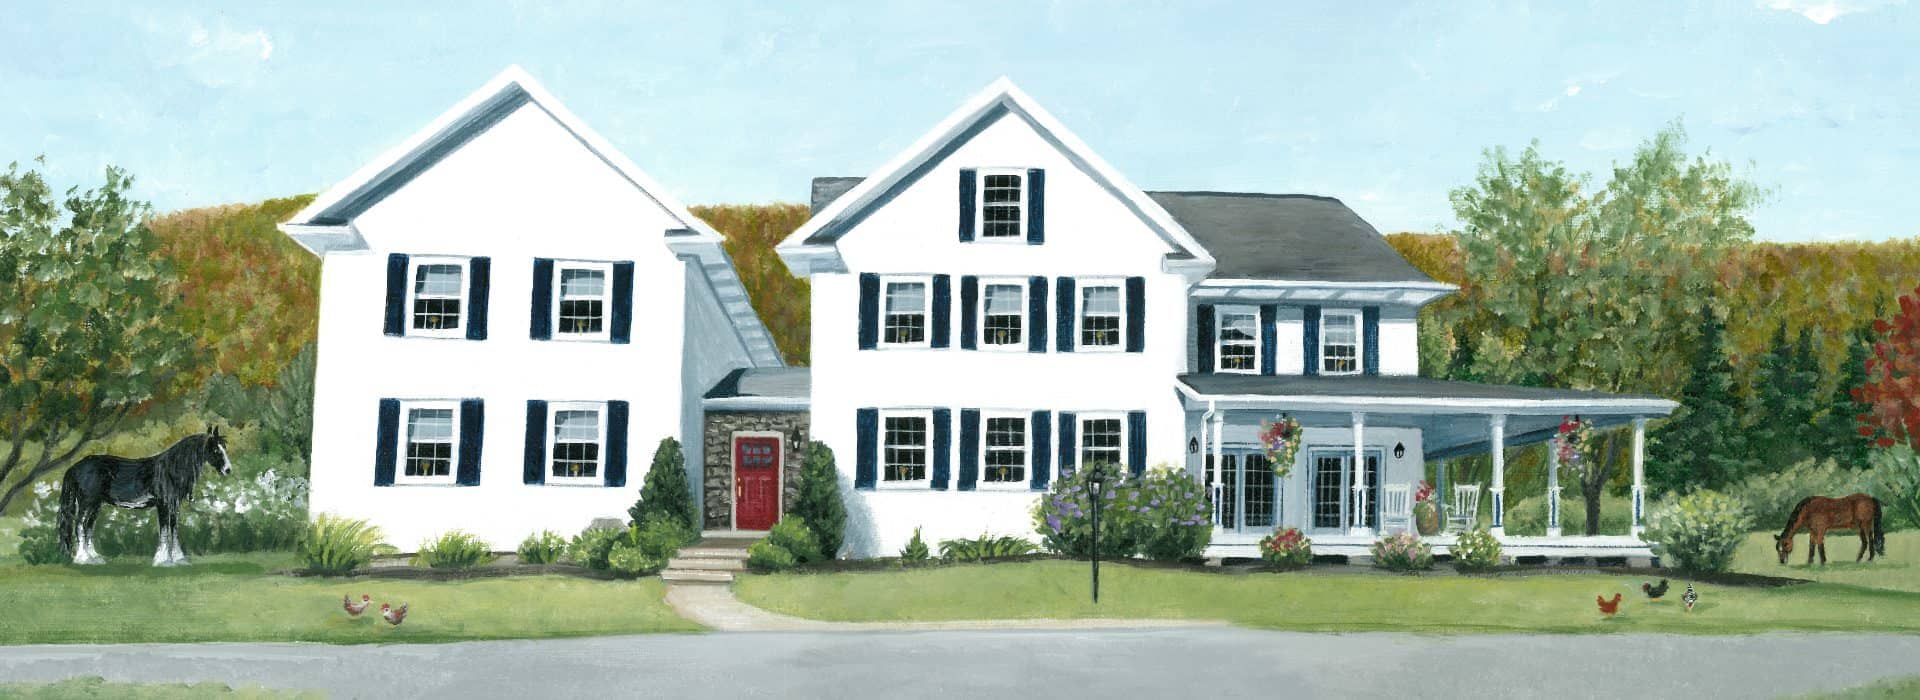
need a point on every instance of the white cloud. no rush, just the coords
(1825, 11)
(216, 55)
(1573, 87)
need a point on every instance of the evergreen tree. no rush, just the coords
(666, 491)
(1786, 399)
(1705, 444)
(819, 499)
(1838, 426)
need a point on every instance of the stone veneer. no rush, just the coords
(716, 482)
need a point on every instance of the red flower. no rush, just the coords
(1884, 442)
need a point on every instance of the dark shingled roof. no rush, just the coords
(1260, 236)
(1390, 387)
(764, 382)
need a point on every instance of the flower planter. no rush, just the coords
(1426, 519)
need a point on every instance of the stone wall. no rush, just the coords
(717, 484)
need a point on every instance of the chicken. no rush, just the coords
(1608, 607)
(394, 615)
(354, 610)
(1690, 597)
(1654, 592)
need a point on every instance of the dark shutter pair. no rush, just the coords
(1039, 452)
(1369, 339)
(613, 467)
(939, 313)
(386, 451)
(619, 313)
(475, 315)
(1136, 446)
(1035, 325)
(1036, 205)
(1206, 338)
(1134, 293)
(866, 469)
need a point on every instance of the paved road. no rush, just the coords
(1209, 662)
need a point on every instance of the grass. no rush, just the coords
(240, 598)
(1889, 689)
(1899, 570)
(96, 687)
(1321, 601)
(10, 539)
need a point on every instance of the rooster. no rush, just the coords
(1654, 592)
(394, 615)
(1690, 597)
(353, 609)
(1608, 607)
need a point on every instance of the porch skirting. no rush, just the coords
(1247, 546)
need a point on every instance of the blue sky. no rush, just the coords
(1386, 106)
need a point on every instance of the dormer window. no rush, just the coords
(1339, 342)
(1003, 205)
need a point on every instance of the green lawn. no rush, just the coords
(1890, 689)
(10, 540)
(1899, 570)
(238, 598)
(96, 687)
(1322, 601)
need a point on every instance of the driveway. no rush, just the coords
(1209, 662)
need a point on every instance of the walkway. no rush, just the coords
(717, 608)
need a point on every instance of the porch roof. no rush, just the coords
(1403, 394)
(761, 389)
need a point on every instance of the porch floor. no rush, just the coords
(1235, 545)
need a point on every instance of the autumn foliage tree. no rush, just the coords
(1891, 394)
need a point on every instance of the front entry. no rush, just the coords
(1331, 484)
(756, 480)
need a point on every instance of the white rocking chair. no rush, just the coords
(1396, 508)
(1463, 513)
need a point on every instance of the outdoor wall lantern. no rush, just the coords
(1399, 450)
(1193, 446)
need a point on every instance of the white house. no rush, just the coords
(997, 306)
(512, 315)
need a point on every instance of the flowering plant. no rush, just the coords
(1281, 439)
(1573, 435)
(1287, 548)
(1402, 552)
(1423, 492)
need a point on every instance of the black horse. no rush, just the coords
(163, 482)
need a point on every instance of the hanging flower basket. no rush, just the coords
(1570, 439)
(1281, 439)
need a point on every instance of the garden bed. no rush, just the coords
(402, 568)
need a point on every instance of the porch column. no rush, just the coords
(1359, 526)
(1219, 421)
(1639, 476)
(1498, 423)
(1553, 491)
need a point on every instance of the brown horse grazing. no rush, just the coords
(1818, 514)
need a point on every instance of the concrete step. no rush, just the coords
(743, 537)
(708, 564)
(710, 552)
(684, 576)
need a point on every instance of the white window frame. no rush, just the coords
(1359, 342)
(1220, 342)
(926, 310)
(1026, 452)
(413, 272)
(980, 205)
(606, 300)
(407, 407)
(1080, 437)
(599, 477)
(1081, 285)
(980, 315)
(880, 477)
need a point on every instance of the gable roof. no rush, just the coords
(999, 99)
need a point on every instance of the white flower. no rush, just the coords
(43, 489)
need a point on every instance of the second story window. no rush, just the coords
(438, 295)
(1238, 347)
(906, 313)
(1002, 205)
(581, 310)
(1339, 342)
(1002, 314)
(1101, 308)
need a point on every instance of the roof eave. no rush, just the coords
(321, 240)
(1436, 405)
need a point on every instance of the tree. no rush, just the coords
(666, 491)
(85, 338)
(1837, 425)
(819, 499)
(1595, 291)
(1704, 444)
(1785, 399)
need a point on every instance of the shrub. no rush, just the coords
(1402, 552)
(453, 550)
(632, 561)
(1769, 498)
(1698, 531)
(983, 548)
(1896, 482)
(793, 535)
(1287, 548)
(819, 499)
(334, 546)
(1170, 514)
(543, 547)
(661, 537)
(1528, 516)
(916, 550)
(1064, 517)
(666, 491)
(267, 512)
(764, 556)
(1476, 550)
(590, 548)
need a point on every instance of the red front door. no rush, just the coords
(756, 482)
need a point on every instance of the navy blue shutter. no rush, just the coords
(942, 334)
(869, 310)
(1036, 206)
(1370, 339)
(969, 448)
(479, 272)
(969, 312)
(1310, 339)
(1136, 314)
(472, 423)
(1269, 339)
(866, 423)
(1203, 337)
(540, 327)
(1041, 430)
(1136, 442)
(535, 470)
(620, 326)
(386, 442)
(396, 318)
(616, 471)
(968, 179)
(1036, 314)
(942, 448)
(1068, 424)
(1063, 314)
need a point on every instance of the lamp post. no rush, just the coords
(1096, 484)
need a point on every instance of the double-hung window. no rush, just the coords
(1103, 440)
(575, 442)
(1102, 306)
(1003, 205)
(580, 309)
(1003, 309)
(1339, 342)
(432, 441)
(1238, 344)
(436, 294)
(906, 312)
(1004, 450)
(905, 437)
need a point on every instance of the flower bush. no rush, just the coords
(543, 547)
(1476, 550)
(227, 514)
(1402, 552)
(335, 546)
(1698, 531)
(1287, 548)
(1162, 514)
(1281, 439)
(453, 550)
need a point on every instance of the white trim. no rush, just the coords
(599, 477)
(926, 312)
(1303, 284)
(1359, 342)
(414, 262)
(1219, 337)
(404, 436)
(1026, 452)
(606, 300)
(880, 481)
(1436, 405)
(1080, 437)
(980, 314)
(1080, 287)
(980, 205)
(733, 474)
